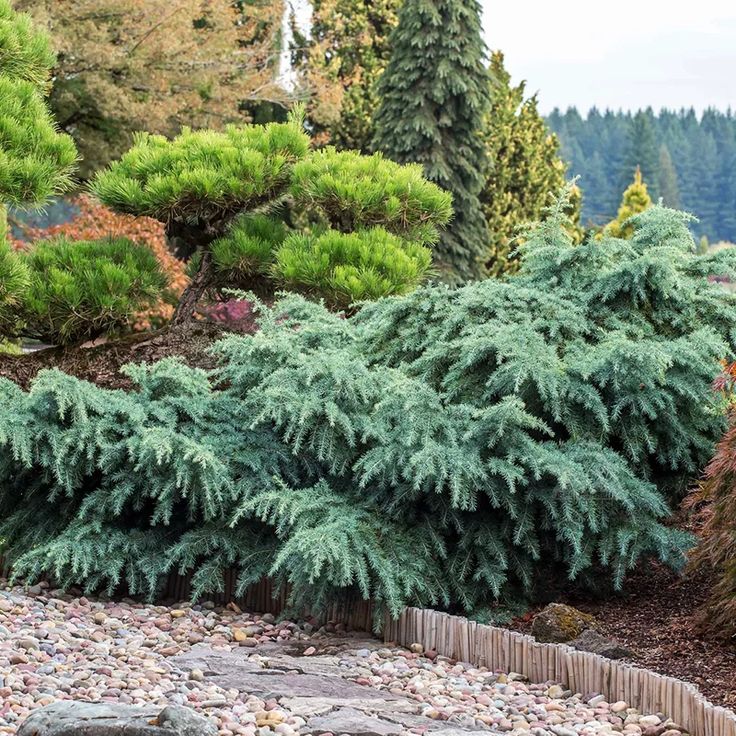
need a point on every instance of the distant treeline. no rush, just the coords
(687, 160)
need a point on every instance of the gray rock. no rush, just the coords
(185, 722)
(352, 722)
(75, 718)
(318, 706)
(460, 732)
(560, 623)
(592, 641)
(279, 676)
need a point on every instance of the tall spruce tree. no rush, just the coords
(642, 151)
(524, 167)
(35, 160)
(434, 96)
(669, 189)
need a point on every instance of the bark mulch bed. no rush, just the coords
(656, 616)
(101, 363)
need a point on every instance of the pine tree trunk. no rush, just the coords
(193, 293)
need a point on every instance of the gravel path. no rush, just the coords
(256, 677)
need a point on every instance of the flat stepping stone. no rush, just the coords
(279, 676)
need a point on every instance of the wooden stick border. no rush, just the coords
(500, 650)
(508, 651)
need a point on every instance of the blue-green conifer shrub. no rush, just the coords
(447, 448)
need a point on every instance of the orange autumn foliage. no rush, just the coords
(95, 221)
(712, 505)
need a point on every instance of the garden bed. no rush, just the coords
(656, 617)
(101, 363)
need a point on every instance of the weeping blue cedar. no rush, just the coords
(450, 448)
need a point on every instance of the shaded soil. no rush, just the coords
(101, 363)
(656, 617)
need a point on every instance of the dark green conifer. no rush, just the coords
(434, 95)
(668, 187)
(642, 151)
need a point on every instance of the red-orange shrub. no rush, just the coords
(714, 504)
(95, 221)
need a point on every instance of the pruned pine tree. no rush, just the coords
(36, 161)
(58, 292)
(255, 208)
(433, 98)
(453, 447)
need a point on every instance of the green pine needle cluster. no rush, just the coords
(25, 53)
(338, 268)
(14, 282)
(64, 292)
(451, 447)
(355, 191)
(344, 268)
(203, 175)
(247, 251)
(35, 160)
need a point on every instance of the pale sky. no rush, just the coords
(618, 53)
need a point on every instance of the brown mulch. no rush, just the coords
(101, 364)
(656, 617)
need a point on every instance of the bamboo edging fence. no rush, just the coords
(508, 651)
(502, 650)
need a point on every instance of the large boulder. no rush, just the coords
(75, 718)
(560, 623)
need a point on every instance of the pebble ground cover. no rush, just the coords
(58, 647)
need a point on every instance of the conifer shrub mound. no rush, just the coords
(81, 289)
(62, 291)
(449, 448)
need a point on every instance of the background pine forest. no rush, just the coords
(687, 159)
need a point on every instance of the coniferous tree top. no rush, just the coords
(635, 200)
(35, 160)
(433, 96)
(355, 191)
(203, 176)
